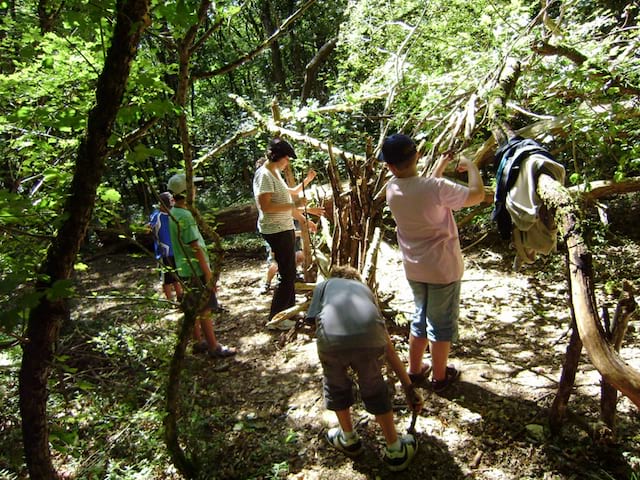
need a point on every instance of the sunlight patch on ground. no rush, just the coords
(534, 380)
(495, 474)
(508, 315)
(255, 340)
(305, 405)
(300, 357)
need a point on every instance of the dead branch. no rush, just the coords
(497, 107)
(592, 191)
(275, 129)
(612, 368)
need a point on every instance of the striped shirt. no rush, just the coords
(266, 182)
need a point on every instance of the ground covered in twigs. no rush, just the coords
(260, 414)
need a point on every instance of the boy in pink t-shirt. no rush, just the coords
(428, 238)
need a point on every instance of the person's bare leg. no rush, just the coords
(271, 272)
(344, 419)
(166, 288)
(206, 324)
(417, 347)
(388, 427)
(178, 289)
(439, 358)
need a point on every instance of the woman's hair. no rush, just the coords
(345, 271)
(279, 148)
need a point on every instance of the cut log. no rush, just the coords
(237, 219)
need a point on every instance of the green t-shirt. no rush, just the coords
(184, 230)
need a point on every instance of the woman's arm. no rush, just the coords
(307, 180)
(267, 206)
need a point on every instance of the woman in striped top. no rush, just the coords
(276, 211)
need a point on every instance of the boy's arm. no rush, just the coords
(414, 399)
(441, 164)
(202, 260)
(476, 187)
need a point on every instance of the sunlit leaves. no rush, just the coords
(110, 195)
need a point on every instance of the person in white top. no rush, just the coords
(428, 239)
(276, 211)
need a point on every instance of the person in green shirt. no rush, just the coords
(193, 267)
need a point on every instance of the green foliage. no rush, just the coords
(398, 65)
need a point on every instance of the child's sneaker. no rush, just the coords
(421, 379)
(200, 347)
(452, 374)
(400, 460)
(351, 448)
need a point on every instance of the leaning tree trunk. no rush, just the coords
(45, 319)
(603, 356)
(558, 199)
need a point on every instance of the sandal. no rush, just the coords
(222, 352)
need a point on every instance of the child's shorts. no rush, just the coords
(197, 283)
(168, 272)
(437, 311)
(338, 385)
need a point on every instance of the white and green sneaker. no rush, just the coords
(351, 448)
(399, 460)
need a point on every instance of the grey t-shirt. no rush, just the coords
(346, 316)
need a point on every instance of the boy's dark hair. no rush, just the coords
(345, 271)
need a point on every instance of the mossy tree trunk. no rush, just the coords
(45, 319)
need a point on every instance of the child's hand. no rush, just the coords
(414, 399)
(463, 164)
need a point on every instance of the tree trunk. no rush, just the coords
(311, 71)
(186, 48)
(48, 15)
(238, 219)
(45, 319)
(277, 73)
(603, 356)
(615, 334)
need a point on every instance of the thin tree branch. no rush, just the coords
(612, 81)
(251, 55)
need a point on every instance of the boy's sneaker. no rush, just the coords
(351, 448)
(400, 460)
(452, 374)
(200, 347)
(265, 289)
(421, 379)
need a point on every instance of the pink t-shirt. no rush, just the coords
(427, 232)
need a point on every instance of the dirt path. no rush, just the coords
(261, 415)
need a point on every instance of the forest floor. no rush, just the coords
(260, 414)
